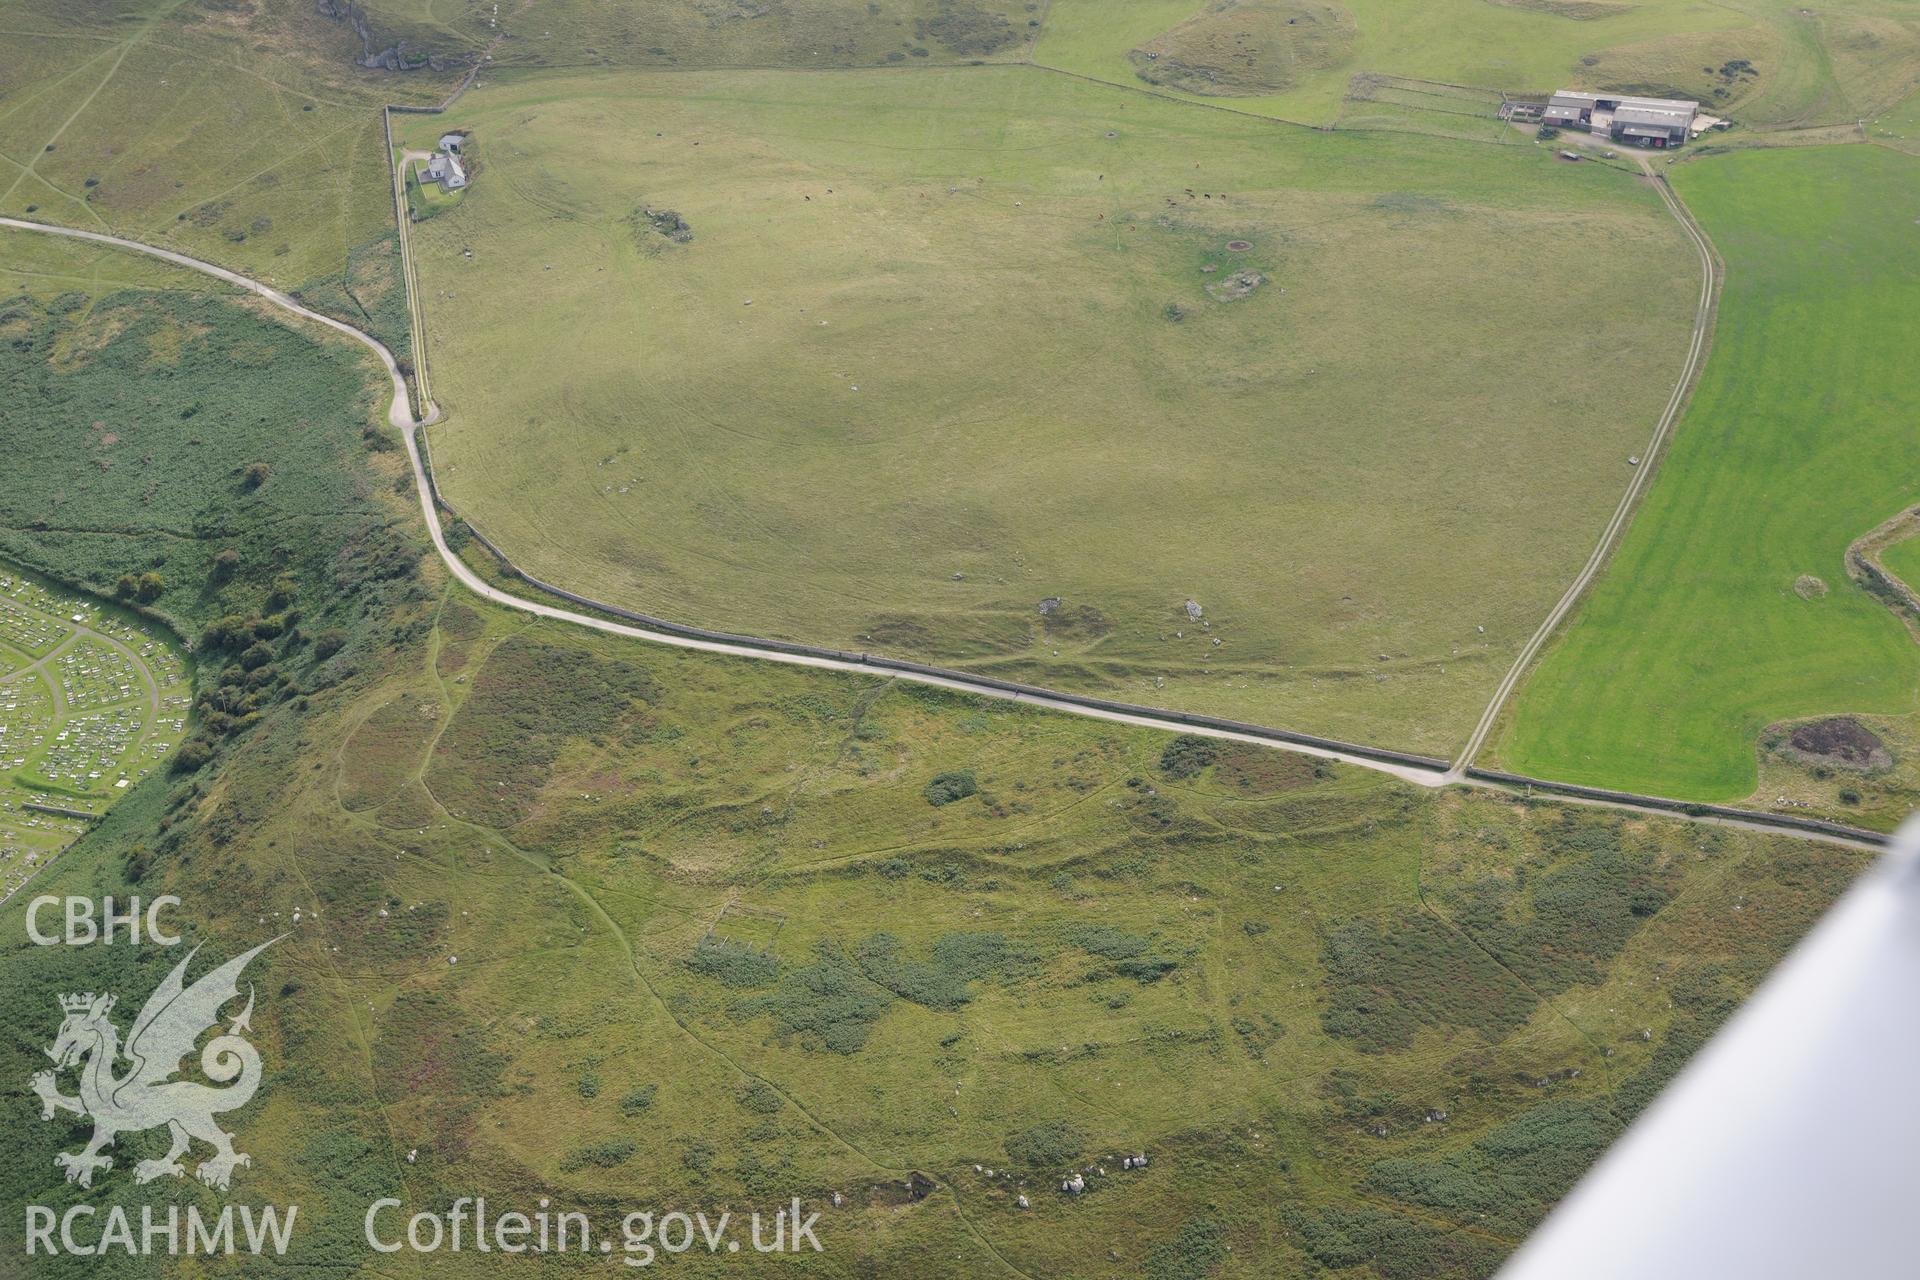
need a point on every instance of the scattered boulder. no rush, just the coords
(376, 54)
(1074, 1186)
(671, 225)
(1239, 285)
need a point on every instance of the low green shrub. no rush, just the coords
(945, 788)
(1052, 1144)
(732, 964)
(1187, 755)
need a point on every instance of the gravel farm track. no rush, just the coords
(1643, 474)
(1419, 770)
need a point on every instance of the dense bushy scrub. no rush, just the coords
(153, 459)
(530, 699)
(945, 788)
(1187, 755)
(1396, 1246)
(828, 1004)
(732, 964)
(1507, 1179)
(1387, 980)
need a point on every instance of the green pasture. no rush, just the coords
(697, 33)
(1117, 941)
(48, 266)
(1878, 792)
(245, 134)
(1798, 441)
(928, 353)
(1902, 559)
(368, 293)
(1806, 68)
(249, 133)
(1899, 126)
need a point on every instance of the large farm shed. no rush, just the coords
(1642, 122)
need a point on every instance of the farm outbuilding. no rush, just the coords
(1664, 126)
(1568, 109)
(1641, 122)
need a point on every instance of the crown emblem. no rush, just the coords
(77, 1004)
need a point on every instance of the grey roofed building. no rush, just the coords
(1684, 105)
(1658, 122)
(1651, 116)
(1569, 110)
(446, 170)
(1659, 126)
(450, 142)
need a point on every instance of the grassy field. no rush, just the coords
(1801, 67)
(1702, 632)
(621, 926)
(247, 132)
(1873, 782)
(1903, 560)
(918, 341)
(1899, 126)
(697, 33)
(243, 133)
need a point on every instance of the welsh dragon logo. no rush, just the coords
(145, 1095)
